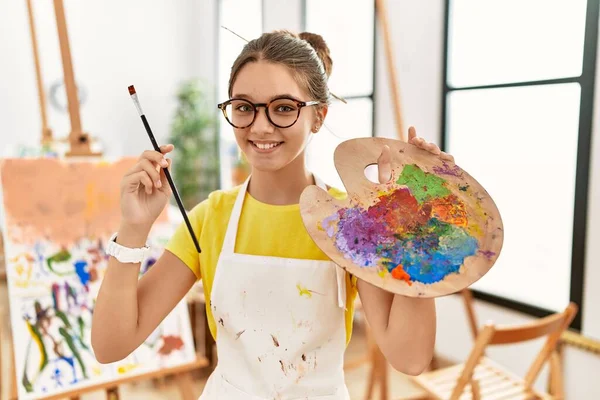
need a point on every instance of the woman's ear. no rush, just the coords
(321, 114)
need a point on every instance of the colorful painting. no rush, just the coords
(57, 218)
(422, 228)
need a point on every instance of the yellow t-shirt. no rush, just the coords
(264, 230)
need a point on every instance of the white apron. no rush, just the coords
(281, 330)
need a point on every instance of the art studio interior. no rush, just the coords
(356, 199)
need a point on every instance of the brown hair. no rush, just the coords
(306, 54)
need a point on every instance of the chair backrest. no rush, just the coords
(551, 326)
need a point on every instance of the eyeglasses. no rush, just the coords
(282, 112)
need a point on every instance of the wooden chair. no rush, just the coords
(555, 376)
(481, 378)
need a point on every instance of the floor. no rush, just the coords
(400, 385)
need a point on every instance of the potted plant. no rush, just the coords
(195, 137)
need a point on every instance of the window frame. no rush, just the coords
(580, 212)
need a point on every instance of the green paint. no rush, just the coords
(81, 329)
(63, 318)
(59, 257)
(25, 380)
(26, 383)
(423, 186)
(71, 345)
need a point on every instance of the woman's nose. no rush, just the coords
(261, 122)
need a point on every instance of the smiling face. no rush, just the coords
(266, 146)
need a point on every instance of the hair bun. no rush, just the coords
(318, 43)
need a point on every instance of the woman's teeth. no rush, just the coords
(265, 146)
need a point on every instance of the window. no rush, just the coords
(518, 93)
(350, 39)
(245, 19)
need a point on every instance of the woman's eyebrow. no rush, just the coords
(287, 95)
(241, 96)
(277, 96)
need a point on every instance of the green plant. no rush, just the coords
(194, 134)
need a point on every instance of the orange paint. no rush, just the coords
(449, 209)
(62, 200)
(170, 344)
(400, 274)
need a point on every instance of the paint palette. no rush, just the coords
(432, 230)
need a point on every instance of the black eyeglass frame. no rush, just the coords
(255, 106)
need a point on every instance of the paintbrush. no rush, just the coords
(134, 97)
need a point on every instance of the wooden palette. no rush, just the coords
(432, 230)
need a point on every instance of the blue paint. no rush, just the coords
(430, 255)
(82, 271)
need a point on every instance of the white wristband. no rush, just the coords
(126, 254)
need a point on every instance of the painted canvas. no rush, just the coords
(431, 230)
(57, 217)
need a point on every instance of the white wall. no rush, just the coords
(114, 44)
(282, 15)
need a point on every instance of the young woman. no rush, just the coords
(280, 311)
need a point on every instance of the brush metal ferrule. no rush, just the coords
(137, 104)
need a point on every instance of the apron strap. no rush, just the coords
(319, 182)
(234, 219)
(340, 277)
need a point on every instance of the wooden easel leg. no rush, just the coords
(372, 379)
(12, 371)
(112, 393)
(186, 386)
(383, 375)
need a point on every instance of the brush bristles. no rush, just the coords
(131, 90)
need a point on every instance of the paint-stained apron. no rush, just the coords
(280, 325)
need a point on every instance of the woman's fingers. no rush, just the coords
(133, 181)
(384, 165)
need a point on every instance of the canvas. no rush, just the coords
(57, 217)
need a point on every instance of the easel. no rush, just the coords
(79, 145)
(79, 141)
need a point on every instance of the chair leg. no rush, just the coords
(555, 376)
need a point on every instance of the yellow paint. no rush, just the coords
(382, 273)
(125, 368)
(303, 291)
(97, 371)
(39, 343)
(22, 265)
(320, 226)
(475, 230)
